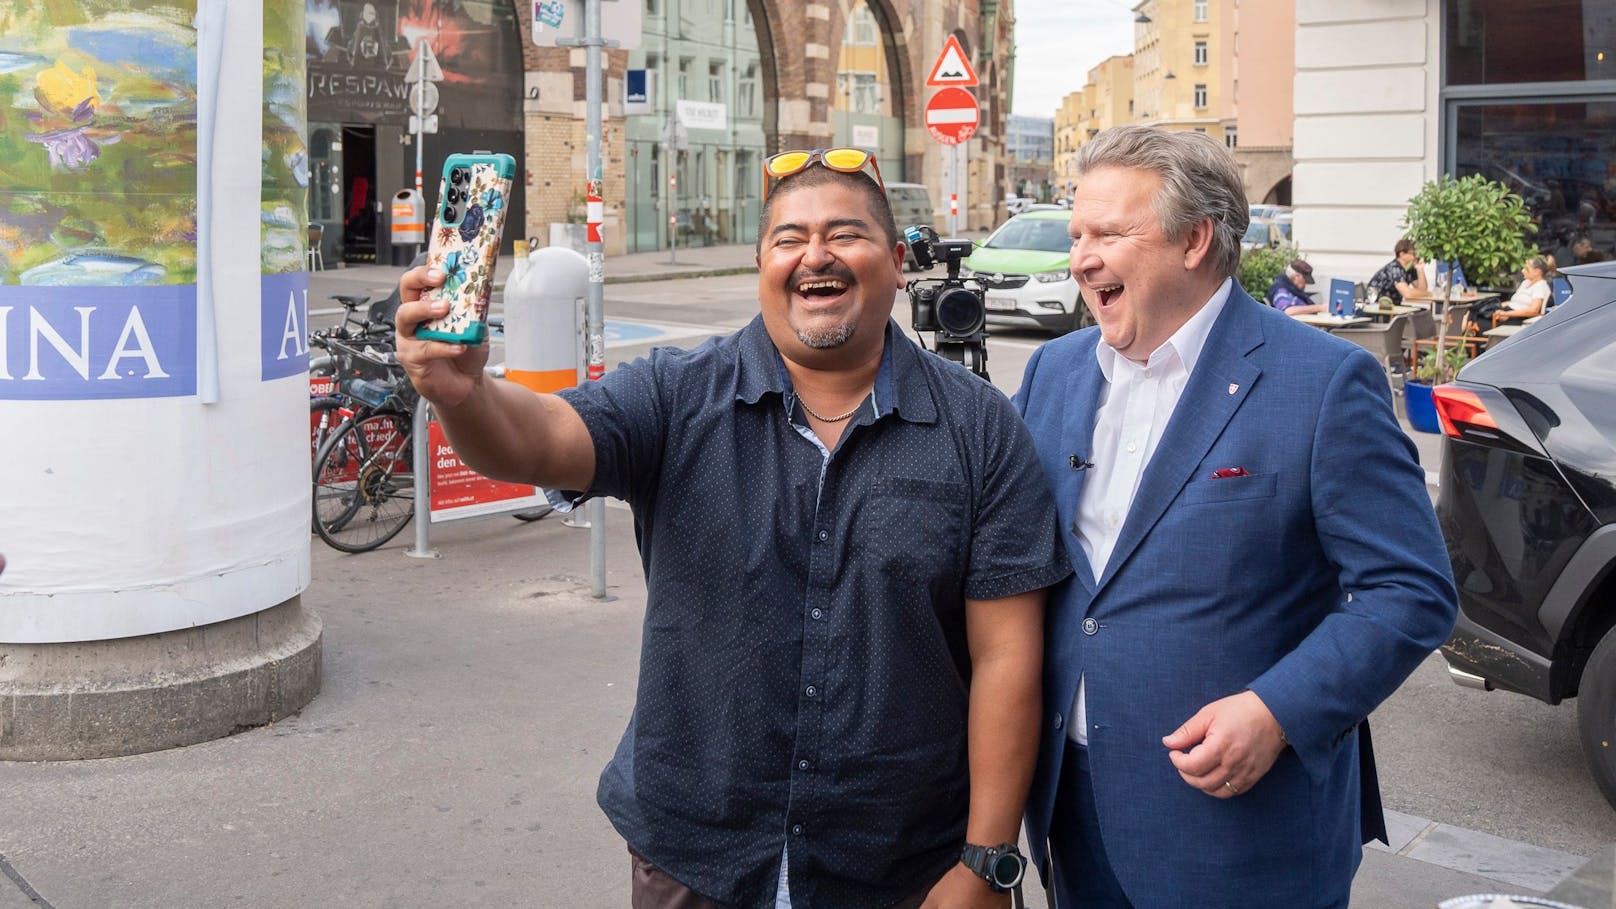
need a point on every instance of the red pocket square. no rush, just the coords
(1229, 472)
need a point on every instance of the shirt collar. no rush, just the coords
(900, 381)
(1186, 343)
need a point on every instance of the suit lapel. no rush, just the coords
(1221, 380)
(1077, 435)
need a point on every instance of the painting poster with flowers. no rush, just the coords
(283, 204)
(98, 176)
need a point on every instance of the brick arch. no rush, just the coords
(765, 22)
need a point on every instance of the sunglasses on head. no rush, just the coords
(846, 160)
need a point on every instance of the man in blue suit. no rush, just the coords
(1258, 563)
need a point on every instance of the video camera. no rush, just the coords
(952, 307)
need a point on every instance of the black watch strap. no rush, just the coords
(1002, 866)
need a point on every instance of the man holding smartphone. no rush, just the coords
(846, 542)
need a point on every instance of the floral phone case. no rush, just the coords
(465, 242)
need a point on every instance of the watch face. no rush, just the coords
(1007, 869)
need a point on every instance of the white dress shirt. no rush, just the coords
(1135, 404)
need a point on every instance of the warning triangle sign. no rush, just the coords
(434, 73)
(951, 67)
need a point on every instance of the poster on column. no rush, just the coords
(283, 208)
(98, 177)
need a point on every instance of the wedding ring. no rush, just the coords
(1229, 785)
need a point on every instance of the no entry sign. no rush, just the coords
(951, 116)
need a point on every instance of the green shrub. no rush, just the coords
(1259, 267)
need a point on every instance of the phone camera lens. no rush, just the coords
(456, 196)
(458, 175)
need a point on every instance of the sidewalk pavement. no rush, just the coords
(469, 704)
(694, 262)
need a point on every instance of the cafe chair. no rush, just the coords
(1562, 293)
(1384, 341)
(316, 254)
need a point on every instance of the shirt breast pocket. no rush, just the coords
(915, 528)
(1230, 489)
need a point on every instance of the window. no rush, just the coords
(1491, 43)
(860, 31)
(1200, 10)
(864, 93)
(746, 92)
(1200, 53)
(1200, 94)
(715, 81)
(651, 6)
(685, 63)
(1231, 136)
(1201, 130)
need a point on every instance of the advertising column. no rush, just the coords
(153, 349)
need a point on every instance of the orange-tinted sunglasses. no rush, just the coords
(846, 160)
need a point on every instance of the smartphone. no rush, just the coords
(472, 202)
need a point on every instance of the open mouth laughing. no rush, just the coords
(821, 291)
(1105, 294)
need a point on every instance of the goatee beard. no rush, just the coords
(826, 338)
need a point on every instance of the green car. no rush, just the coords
(1024, 270)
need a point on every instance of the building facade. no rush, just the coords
(1030, 149)
(1392, 93)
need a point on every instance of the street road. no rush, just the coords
(1489, 761)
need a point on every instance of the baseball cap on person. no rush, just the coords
(1303, 269)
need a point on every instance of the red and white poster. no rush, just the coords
(460, 492)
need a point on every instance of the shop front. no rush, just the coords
(364, 60)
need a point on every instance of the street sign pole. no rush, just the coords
(420, 113)
(595, 250)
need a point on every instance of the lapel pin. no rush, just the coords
(1233, 388)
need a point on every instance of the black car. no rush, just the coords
(1527, 503)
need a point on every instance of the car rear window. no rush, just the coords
(1042, 234)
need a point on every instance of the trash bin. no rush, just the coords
(409, 222)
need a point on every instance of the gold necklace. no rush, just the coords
(815, 415)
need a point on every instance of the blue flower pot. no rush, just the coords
(1420, 407)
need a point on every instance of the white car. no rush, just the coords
(1024, 269)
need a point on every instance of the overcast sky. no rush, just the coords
(1058, 42)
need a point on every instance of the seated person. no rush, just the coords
(1398, 278)
(1529, 299)
(1288, 293)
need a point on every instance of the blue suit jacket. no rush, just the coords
(1319, 582)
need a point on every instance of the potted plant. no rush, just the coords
(1435, 367)
(1475, 222)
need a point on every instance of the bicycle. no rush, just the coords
(364, 471)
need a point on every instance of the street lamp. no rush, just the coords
(1142, 19)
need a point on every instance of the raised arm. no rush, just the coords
(500, 429)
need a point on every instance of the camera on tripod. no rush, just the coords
(952, 307)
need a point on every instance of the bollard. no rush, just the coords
(540, 329)
(421, 452)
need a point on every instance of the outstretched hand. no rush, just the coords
(1227, 746)
(445, 374)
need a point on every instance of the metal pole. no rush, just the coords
(423, 483)
(420, 110)
(595, 314)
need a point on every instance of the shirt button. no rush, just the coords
(1059, 721)
(796, 830)
(824, 535)
(813, 692)
(1090, 626)
(817, 613)
(1132, 448)
(802, 765)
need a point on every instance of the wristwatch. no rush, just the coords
(1002, 866)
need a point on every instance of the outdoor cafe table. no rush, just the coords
(1326, 321)
(1382, 314)
(1472, 298)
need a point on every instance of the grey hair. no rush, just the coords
(1199, 179)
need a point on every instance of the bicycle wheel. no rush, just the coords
(364, 482)
(325, 415)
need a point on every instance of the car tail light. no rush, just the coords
(1459, 410)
